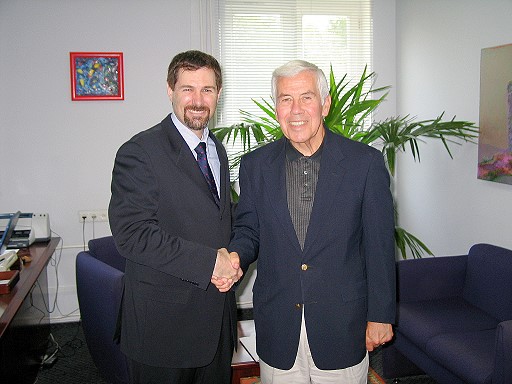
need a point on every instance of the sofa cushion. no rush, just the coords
(470, 355)
(422, 320)
(488, 283)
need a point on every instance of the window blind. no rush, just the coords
(255, 37)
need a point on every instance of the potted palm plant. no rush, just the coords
(349, 115)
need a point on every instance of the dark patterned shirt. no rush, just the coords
(301, 179)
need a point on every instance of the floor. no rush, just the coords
(73, 363)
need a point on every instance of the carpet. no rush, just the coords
(74, 364)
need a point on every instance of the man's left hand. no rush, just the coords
(377, 334)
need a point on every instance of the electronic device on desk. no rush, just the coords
(30, 228)
(8, 257)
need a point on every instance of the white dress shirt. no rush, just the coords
(192, 141)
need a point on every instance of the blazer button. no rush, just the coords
(298, 306)
(304, 267)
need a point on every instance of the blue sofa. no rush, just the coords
(454, 318)
(99, 283)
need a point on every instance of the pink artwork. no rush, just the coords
(495, 139)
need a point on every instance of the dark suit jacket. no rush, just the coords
(166, 224)
(345, 275)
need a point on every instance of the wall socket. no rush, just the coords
(93, 216)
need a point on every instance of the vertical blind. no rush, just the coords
(255, 37)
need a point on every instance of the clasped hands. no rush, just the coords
(227, 270)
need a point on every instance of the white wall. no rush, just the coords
(438, 69)
(58, 154)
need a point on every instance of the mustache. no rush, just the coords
(197, 108)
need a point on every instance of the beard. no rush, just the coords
(196, 123)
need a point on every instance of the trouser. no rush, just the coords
(304, 370)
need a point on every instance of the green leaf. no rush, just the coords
(405, 239)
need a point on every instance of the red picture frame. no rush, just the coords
(96, 76)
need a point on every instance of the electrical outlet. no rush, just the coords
(93, 216)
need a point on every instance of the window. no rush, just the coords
(256, 37)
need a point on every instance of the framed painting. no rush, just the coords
(495, 138)
(96, 76)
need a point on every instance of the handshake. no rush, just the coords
(227, 270)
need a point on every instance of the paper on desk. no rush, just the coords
(249, 343)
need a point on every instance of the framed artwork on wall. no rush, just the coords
(96, 76)
(495, 139)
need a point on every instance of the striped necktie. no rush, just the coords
(202, 161)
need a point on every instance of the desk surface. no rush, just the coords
(29, 273)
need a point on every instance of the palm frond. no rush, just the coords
(405, 240)
(394, 133)
(349, 108)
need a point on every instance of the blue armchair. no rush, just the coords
(454, 318)
(99, 281)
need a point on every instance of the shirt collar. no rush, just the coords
(190, 137)
(292, 154)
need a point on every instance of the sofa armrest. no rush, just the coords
(430, 278)
(100, 291)
(104, 249)
(503, 357)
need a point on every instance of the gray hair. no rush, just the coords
(295, 67)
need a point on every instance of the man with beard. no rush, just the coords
(170, 215)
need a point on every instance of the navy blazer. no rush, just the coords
(167, 225)
(344, 276)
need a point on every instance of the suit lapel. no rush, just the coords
(184, 159)
(274, 174)
(225, 187)
(329, 181)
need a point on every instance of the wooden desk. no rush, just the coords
(244, 369)
(24, 317)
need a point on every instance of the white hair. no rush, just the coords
(295, 67)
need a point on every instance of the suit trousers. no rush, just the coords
(217, 372)
(304, 370)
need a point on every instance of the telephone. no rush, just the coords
(7, 259)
